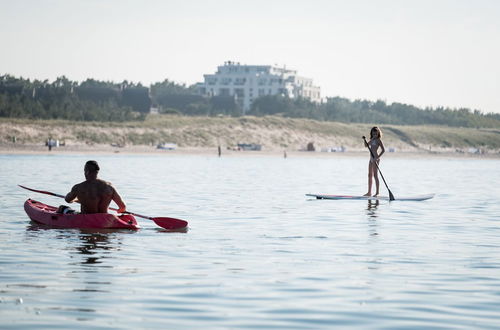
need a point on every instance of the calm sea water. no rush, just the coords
(258, 253)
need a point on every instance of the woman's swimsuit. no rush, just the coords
(373, 145)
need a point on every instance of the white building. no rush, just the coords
(248, 82)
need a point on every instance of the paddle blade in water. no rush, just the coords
(391, 196)
(170, 223)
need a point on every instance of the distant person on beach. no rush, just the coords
(93, 194)
(373, 144)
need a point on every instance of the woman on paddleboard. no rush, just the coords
(374, 144)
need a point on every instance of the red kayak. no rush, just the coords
(47, 215)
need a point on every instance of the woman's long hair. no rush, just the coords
(373, 131)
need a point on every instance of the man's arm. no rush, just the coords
(71, 196)
(118, 200)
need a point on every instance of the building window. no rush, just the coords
(224, 92)
(240, 81)
(240, 92)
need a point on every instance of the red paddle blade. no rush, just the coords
(170, 223)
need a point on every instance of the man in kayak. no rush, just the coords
(94, 194)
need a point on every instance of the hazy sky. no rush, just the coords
(426, 53)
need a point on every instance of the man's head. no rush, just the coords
(91, 169)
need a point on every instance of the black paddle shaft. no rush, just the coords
(391, 196)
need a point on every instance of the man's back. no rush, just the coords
(94, 195)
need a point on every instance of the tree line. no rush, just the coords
(364, 111)
(93, 100)
(90, 100)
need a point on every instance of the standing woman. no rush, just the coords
(373, 144)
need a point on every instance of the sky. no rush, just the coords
(420, 52)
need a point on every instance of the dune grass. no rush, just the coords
(273, 132)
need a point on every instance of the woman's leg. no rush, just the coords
(375, 175)
(370, 174)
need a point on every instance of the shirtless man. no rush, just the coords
(94, 194)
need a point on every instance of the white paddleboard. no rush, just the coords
(370, 198)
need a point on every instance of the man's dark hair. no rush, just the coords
(92, 166)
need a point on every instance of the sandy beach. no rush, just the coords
(39, 149)
(276, 135)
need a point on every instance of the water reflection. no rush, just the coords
(90, 243)
(372, 213)
(372, 208)
(163, 230)
(91, 246)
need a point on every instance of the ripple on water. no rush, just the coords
(258, 253)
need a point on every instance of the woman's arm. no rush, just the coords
(382, 148)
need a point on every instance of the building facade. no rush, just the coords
(248, 82)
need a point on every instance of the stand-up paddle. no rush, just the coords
(165, 222)
(391, 196)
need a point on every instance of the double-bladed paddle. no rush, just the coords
(391, 196)
(165, 222)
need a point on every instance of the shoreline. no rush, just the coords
(103, 149)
